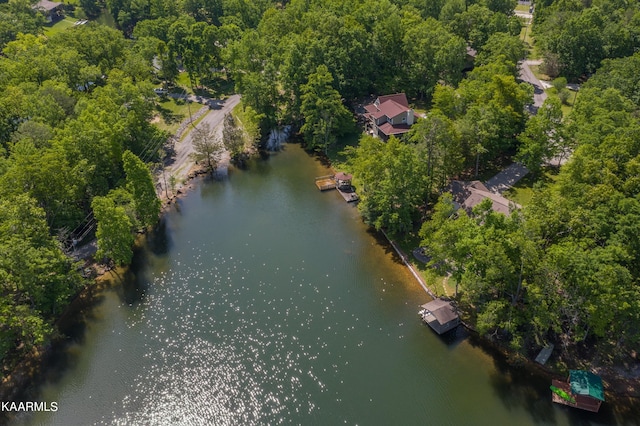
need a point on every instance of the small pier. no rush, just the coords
(325, 183)
(339, 181)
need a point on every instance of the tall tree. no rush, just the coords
(325, 117)
(140, 185)
(233, 139)
(208, 147)
(392, 176)
(543, 137)
(115, 239)
(438, 144)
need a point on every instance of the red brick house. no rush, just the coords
(389, 115)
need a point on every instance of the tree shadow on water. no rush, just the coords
(385, 244)
(158, 241)
(135, 279)
(522, 384)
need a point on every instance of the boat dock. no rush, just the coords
(348, 195)
(341, 182)
(325, 183)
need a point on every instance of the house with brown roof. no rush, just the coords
(467, 195)
(50, 9)
(389, 115)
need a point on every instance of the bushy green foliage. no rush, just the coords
(140, 185)
(36, 277)
(70, 106)
(565, 268)
(576, 36)
(114, 236)
(391, 176)
(324, 115)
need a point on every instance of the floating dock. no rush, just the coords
(582, 390)
(325, 183)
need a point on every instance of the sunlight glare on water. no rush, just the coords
(224, 351)
(267, 302)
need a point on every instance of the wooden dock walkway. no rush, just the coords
(325, 183)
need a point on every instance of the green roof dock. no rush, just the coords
(585, 388)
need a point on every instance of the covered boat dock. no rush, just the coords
(440, 315)
(582, 390)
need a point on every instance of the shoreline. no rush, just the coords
(29, 370)
(30, 373)
(618, 384)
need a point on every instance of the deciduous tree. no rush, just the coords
(208, 147)
(140, 185)
(325, 117)
(115, 239)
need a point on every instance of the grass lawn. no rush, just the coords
(171, 113)
(439, 284)
(527, 37)
(568, 107)
(61, 25)
(522, 191)
(535, 69)
(195, 123)
(183, 82)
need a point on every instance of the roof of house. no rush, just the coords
(469, 194)
(389, 105)
(399, 98)
(343, 176)
(47, 5)
(442, 310)
(393, 129)
(586, 383)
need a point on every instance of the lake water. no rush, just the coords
(264, 301)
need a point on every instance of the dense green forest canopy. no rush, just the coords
(565, 268)
(75, 110)
(76, 132)
(575, 36)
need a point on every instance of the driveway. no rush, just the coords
(506, 178)
(538, 89)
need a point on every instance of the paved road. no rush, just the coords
(183, 163)
(538, 90)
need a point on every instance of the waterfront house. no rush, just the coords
(440, 315)
(583, 390)
(389, 115)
